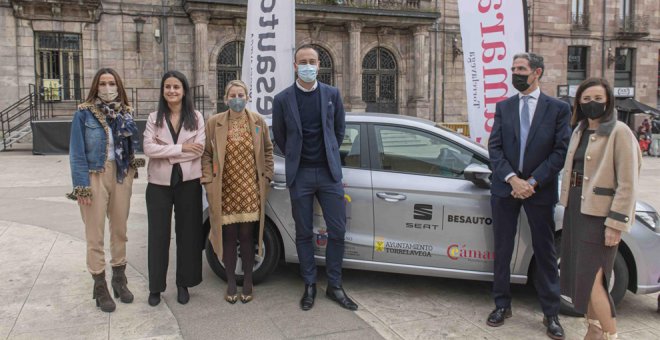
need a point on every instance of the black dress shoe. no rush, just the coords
(154, 299)
(555, 331)
(338, 295)
(182, 295)
(307, 301)
(497, 316)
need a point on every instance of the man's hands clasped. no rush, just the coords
(521, 188)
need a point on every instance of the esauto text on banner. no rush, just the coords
(268, 53)
(493, 31)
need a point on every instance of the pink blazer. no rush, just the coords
(159, 146)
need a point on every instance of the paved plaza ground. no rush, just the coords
(46, 292)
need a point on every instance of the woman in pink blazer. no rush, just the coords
(174, 140)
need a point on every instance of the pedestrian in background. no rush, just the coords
(103, 164)
(598, 190)
(174, 141)
(237, 168)
(527, 147)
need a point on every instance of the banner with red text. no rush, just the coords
(493, 31)
(268, 53)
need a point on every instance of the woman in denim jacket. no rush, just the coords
(103, 164)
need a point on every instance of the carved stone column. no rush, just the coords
(354, 91)
(201, 66)
(419, 52)
(419, 103)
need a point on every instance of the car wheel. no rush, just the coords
(262, 267)
(617, 286)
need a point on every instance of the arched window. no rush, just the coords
(379, 72)
(326, 66)
(229, 65)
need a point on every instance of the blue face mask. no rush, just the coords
(307, 73)
(237, 104)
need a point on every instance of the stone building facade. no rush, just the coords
(400, 56)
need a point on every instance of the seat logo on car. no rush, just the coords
(423, 212)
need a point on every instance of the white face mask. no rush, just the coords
(108, 93)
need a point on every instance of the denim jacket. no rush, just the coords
(88, 148)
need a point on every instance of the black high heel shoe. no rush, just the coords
(154, 299)
(182, 295)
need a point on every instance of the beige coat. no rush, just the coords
(611, 170)
(213, 160)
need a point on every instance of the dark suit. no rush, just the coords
(305, 183)
(545, 151)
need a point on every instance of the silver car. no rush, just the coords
(417, 202)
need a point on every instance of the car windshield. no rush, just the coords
(441, 127)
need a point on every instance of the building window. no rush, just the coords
(326, 72)
(58, 65)
(580, 14)
(577, 64)
(624, 65)
(229, 65)
(626, 8)
(379, 72)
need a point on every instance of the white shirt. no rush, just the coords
(531, 104)
(316, 84)
(111, 146)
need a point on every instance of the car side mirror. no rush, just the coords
(478, 174)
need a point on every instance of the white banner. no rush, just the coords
(268, 53)
(493, 31)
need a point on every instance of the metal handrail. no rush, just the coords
(143, 100)
(377, 4)
(580, 21)
(8, 119)
(633, 24)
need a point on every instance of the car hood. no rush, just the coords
(643, 206)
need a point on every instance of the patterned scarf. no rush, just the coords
(122, 127)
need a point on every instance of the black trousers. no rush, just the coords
(542, 226)
(186, 198)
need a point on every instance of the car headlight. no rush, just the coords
(649, 219)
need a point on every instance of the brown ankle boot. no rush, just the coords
(101, 294)
(119, 284)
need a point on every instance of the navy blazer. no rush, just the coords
(287, 129)
(547, 144)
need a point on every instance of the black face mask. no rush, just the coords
(519, 81)
(593, 109)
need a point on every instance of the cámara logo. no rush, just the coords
(456, 252)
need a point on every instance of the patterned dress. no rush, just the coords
(240, 188)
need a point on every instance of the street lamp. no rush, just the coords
(455, 50)
(139, 27)
(622, 53)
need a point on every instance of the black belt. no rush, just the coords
(576, 179)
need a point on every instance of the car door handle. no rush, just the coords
(391, 196)
(278, 185)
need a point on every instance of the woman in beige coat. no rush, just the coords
(237, 166)
(598, 190)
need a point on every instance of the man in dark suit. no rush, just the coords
(308, 126)
(527, 148)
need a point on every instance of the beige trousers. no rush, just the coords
(113, 200)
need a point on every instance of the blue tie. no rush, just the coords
(524, 130)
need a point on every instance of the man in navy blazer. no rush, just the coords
(308, 126)
(527, 147)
